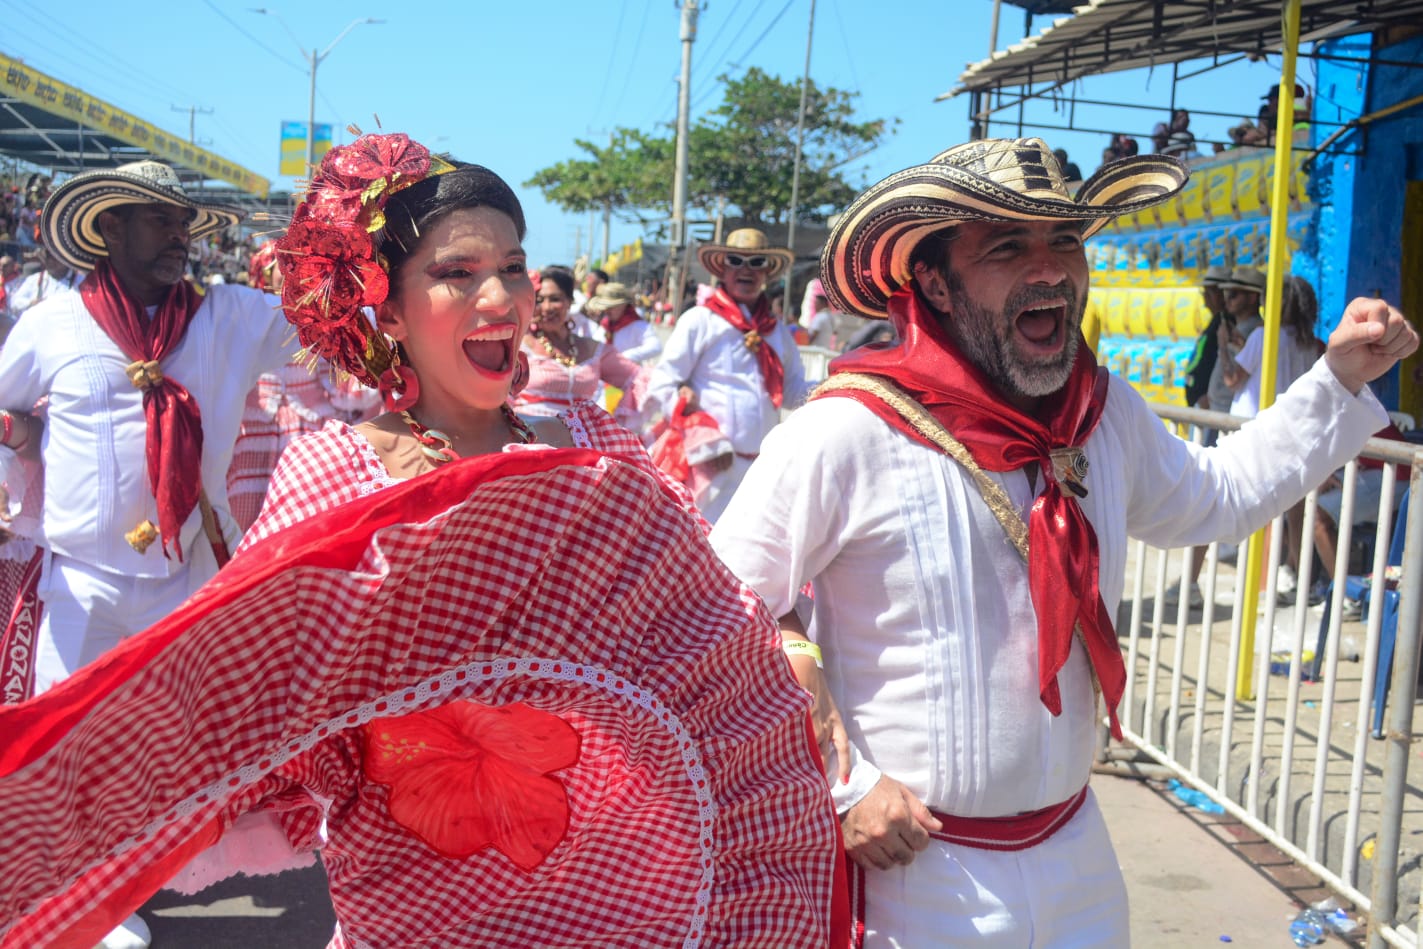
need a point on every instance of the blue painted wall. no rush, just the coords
(1353, 248)
(1340, 95)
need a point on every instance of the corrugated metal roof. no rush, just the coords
(1105, 36)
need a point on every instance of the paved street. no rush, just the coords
(1193, 879)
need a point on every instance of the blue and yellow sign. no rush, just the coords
(294, 146)
(32, 87)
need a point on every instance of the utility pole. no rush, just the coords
(314, 59)
(607, 213)
(192, 111)
(592, 235)
(795, 173)
(676, 276)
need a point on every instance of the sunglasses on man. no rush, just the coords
(759, 262)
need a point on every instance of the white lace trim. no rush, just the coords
(443, 688)
(576, 428)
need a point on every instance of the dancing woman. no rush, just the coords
(506, 689)
(564, 367)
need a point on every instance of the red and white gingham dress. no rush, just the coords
(633, 770)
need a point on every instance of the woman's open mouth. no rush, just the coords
(490, 349)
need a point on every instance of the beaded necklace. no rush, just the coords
(570, 360)
(438, 448)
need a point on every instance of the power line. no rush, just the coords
(119, 75)
(715, 63)
(710, 56)
(845, 42)
(97, 57)
(746, 54)
(636, 50)
(612, 59)
(239, 28)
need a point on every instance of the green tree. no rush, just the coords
(745, 149)
(631, 175)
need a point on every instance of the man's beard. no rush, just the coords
(986, 339)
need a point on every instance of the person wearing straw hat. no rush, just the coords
(614, 306)
(1196, 381)
(1200, 371)
(145, 377)
(53, 277)
(731, 358)
(960, 502)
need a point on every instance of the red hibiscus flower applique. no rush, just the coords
(466, 776)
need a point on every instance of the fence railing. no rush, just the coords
(1286, 736)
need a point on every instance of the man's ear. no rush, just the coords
(108, 223)
(390, 322)
(931, 283)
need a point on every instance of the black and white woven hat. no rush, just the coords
(70, 221)
(866, 258)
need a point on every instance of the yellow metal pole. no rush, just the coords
(1274, 286)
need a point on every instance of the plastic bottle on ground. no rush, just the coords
(1197, 799)
(1308, 928)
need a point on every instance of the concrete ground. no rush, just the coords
(1196, 879)
(1193, 879)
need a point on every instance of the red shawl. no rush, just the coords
(431, 609)
(1063, 560)
(758, 330)
(175, 425)
(611, 326)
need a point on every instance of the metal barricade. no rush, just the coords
(1280, 738)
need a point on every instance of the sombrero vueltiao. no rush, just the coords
(607, 296)
(747, 242)
(867, 255)
(70, 222)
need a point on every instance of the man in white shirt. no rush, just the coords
(54, 276)
(585, 323)
(145, 379)
(961, 504)
(105, 508)
(731, 358)
(614, 306)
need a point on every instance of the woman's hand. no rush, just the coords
(825, 718)
(830, 731)
(6, 534)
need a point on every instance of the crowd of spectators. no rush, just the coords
(1174, 137)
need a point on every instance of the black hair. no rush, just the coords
(1299, 308)
(560, 275)
(600, 274)
(933, 250)
(412, 211)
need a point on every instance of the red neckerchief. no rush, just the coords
(175, 426)
(1063, 559)
(761, 326)
(611, 326)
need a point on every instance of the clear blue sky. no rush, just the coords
(511, 86)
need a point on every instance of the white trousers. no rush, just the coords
(1065, 893)
(88, 610)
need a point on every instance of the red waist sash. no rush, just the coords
(1018, 832)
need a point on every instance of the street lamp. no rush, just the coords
(313, 59)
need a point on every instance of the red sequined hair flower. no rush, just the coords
(329, 261)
